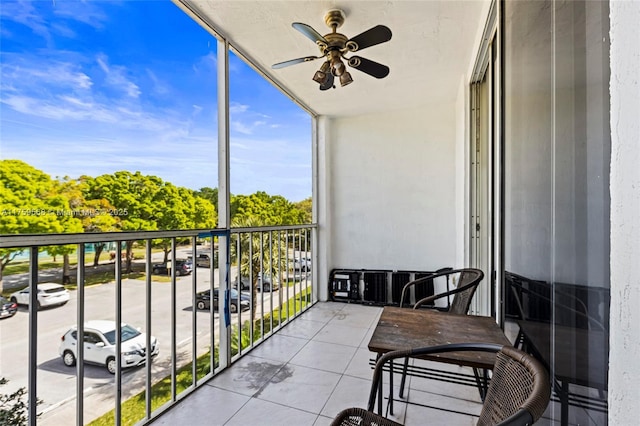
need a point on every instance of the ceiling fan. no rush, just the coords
(334, 46)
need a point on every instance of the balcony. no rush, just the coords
(396, 186)
(298, 360)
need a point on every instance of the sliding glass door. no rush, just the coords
(556, 140)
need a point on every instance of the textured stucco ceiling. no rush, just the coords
(431, 48)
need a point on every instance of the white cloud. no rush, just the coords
(116, 77)
(237, 108)
(30, 75)
(159, 87)
(241, 127)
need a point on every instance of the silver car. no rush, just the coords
(100, 345)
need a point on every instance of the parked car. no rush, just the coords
(203, 300)
(7, 308)
(268, 285)
(183, 267)
(302, 264)
(100, 345)
(203, 260)
(49, 294)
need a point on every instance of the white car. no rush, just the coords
(49, 294)
(302, 264)
(100, 345)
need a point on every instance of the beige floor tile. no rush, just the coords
(324, 356)
(341, 334)
(302, 328)
(300, 387)
(258, 412)
(197, 409)
(323, 421)
(350, 392)
(248, 375)
(279, 348)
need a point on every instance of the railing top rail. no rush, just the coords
(32, 240)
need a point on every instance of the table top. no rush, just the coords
(580, 355)
(402, 328)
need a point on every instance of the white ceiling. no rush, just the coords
(431, 48)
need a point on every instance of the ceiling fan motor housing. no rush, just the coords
(334, 18)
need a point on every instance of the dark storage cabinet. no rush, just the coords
(374, 287)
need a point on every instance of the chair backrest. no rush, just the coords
(469, 280)
(519, 390)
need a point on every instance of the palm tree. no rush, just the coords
(257, 253)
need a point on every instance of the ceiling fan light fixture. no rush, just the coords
(322, 75)
(345, 79)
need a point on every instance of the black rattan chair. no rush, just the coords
(468, 281)
(518, 393)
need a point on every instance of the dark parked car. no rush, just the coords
(268, 285)
(203, 300)
(203, 260)
(7, 308)
(183, 267)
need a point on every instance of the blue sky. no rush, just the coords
(94, 87)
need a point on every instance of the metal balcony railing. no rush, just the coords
(263, 278)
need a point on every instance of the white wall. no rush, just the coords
(391, 190)
(624, 370)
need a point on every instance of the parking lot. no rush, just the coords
(56, 382)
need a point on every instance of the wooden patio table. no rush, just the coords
(400, 328)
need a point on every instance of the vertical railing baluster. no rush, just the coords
(33, 335)
(80, 333)
(280, 278)
(239, 305)
(118, 375)
(212, 319)
(261, 272)
(286, 245)
(251, 311)
(148, 327)
(306, 266)
(273, 280)
(194, 321)
(299, 251)
(174, 356)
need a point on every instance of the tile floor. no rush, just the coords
(313, 368)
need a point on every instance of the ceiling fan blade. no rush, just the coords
(309, 32)
(371, 37)
(294, 61)
(369, 67)
(328, 84)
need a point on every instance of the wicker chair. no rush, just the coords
(468, 281)
(518, 393)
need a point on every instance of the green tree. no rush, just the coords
(132, 194)
(13, 407)
(306, 207)
(146, 203)
(180, 208)
(267, 209)
(210, 194)
(29, 204)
